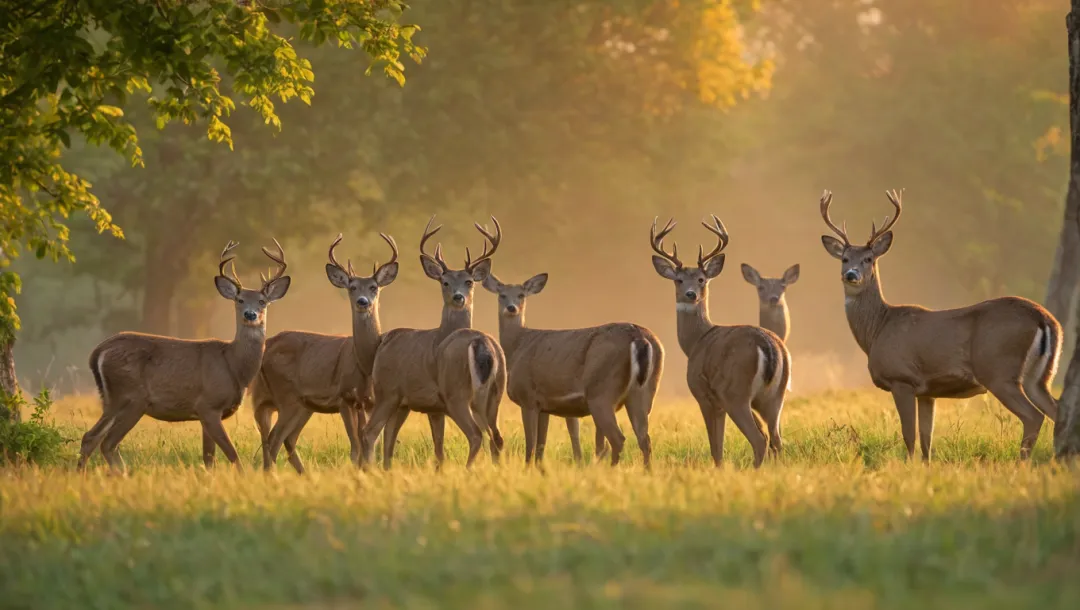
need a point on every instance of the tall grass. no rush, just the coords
(840, 521)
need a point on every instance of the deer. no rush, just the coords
(449, 370)
(177, 380)
(1008, 346)
(577, 372)
(773, 311)
(305, 373)
(734, 371)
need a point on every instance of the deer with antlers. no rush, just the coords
(773, 311)
(578, 372)
(450, 370)
(1008, 346)
(734, 371)
(305, 373)
(176, 380)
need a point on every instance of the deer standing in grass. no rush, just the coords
(574, 373)
(731, 370)
(1008, 346)
(450, 370)
(773, 310)
(178, 380)
(305, 373)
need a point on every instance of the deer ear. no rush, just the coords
(833, 246)
(714, 266)
(882, 244)
(491, 283)
(386, 274)
(791, 275)
(750, 275)
(277, 288)
(337, 277)
(664, 267)
(432, 268)
(536, 283)
(226, 287)
(481, 270)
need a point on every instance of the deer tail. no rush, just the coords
(641, 361)
(481, 362)
(96, 357)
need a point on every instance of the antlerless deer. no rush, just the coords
(1008, 346)
(773, 310)
(731, 370)
(304, 373)
(177, 380)
(450, 370)
(578, 372)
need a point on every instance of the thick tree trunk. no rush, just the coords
(1067, 426)
(8, 382)
(158, 292)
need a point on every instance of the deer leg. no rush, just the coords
(123, 424)
(603, 413)
(573, 428)
(212, 424)
(349, 417)
(770, 411)
(541, 435)
(530, 420)
(286, 431)
(639, 421)
(93, 437)
(905, 408)
(712, 417)
(601, 444)
(209, 449)
(1038, 391)
(437, 423)
(385, 408)
(290, 443)
(743, 416)
(390, 434)
(926, 425)
(263, 413)
(459, 411)
(494, 400)
(1012, 396)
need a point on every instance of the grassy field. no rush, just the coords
(839, 522)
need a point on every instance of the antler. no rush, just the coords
(333, 260)
(657, 242)
(438, 247)
(278, 258)
(393, 257)
(229, 247)
(722, 239)
(894, 199)
(826, 201)
(494, 240)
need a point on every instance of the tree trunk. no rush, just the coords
(8, 382)
(1067, 425)
(166, 266)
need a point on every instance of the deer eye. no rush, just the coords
(867, 259)
(521, 296)
(446, 284)
(262, 303)
(701, 281)
(241, 301)
(374, 289)
(468, 283)
(845, 260)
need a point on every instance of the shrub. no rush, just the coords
(36, 441)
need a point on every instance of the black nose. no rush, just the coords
(511, 309)
(363, 302)
(459, 298)
(851, 275)
(250, 316)
(690, 294)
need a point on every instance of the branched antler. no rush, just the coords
(225, 259)
(657, 242)
(428, 232)
(494, 240)
(826, 201)
(393, 256)
(722, 239)
(279, 258)
(894, 199)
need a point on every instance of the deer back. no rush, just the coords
(405, 367)
(321, 370)
(736, 362)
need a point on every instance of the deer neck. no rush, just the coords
(454, 319)
(692, 321)
(775, 318)
(511, 332)
(366, 334)
(866, 313)
(245, 352)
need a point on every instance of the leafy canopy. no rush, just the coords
(68, 68)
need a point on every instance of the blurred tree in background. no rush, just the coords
(68, 70)
(571, 119)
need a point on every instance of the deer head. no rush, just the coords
(251, 304)
(512, 296)
(457, 285)
(691, 283)
(363, 291)
(859, 263)
(770, 290)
